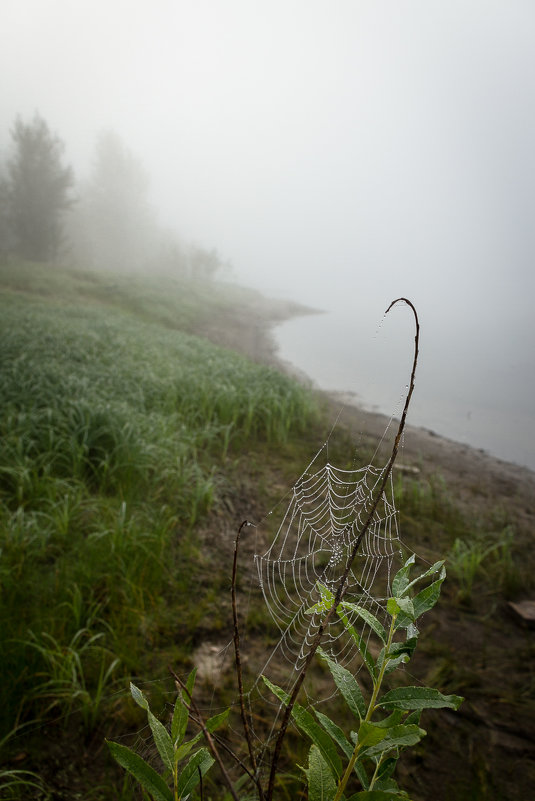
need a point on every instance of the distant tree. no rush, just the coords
(38, 189)
(6, 233)
(113, 226)
(205, 263)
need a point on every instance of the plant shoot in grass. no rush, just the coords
(336, 544)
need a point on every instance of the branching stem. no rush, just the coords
(371, 709)
(343, 580)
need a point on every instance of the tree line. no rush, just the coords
(103, 222)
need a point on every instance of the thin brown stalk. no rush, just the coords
(342, 583)
(239, 674)
(192, 707)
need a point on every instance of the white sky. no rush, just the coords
(338, 152)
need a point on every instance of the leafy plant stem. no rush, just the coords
(342, 583)
(371, 709)
(376, 771)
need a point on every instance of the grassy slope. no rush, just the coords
(118, 431)
(128, 447)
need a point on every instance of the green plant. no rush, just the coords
(63, 680)
(17, 784)
(486, 555)
(387, 723)
(172, 747)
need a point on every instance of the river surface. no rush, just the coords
(477, 390)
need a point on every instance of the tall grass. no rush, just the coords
(114, 430)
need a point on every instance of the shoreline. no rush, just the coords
(464, 468)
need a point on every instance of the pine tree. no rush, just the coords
(39, 190)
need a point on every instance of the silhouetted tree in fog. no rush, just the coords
(6, 234)
(113, 226)
(38, 190)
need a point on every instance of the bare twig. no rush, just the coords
(342, 583)
(192, 707)
(239, 674)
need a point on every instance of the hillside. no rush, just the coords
(132, 446)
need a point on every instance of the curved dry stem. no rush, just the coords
(237, 656)
(342, 585)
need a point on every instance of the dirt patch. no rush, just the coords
(213, 661)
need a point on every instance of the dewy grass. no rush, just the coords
(113, 432)
(483, 555)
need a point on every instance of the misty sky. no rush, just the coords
(341, 153)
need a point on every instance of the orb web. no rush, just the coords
(314, 545)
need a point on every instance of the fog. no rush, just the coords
(341, 154)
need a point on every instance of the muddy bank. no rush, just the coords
(249, 330)
(478, 649)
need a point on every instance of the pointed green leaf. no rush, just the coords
(201, 761)
(138, 697)
(401, 606)
(162, 740)
(361, 645)
(367, 616)
(406, 606)
(369, 734)
(388, 785)
(347, 684)
(418, 698)
(336, 733)
(216, 721)
(151, 782)
(399, 654)
(386, 769)
(432, 570)
(392, 607)
(400, 582)
(306, 723)
(183, 750)
(190, 683)
(340, 739)
(395, 662)
(179, 722)
(180, 712)
(396, 657)
(396, 737)
(325, 602)
(414, 717)
(394, 719)
(360, 770)
(321, 784)
(427, 598)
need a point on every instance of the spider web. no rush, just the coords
(312, 548)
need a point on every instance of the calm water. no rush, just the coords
(477, 391)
